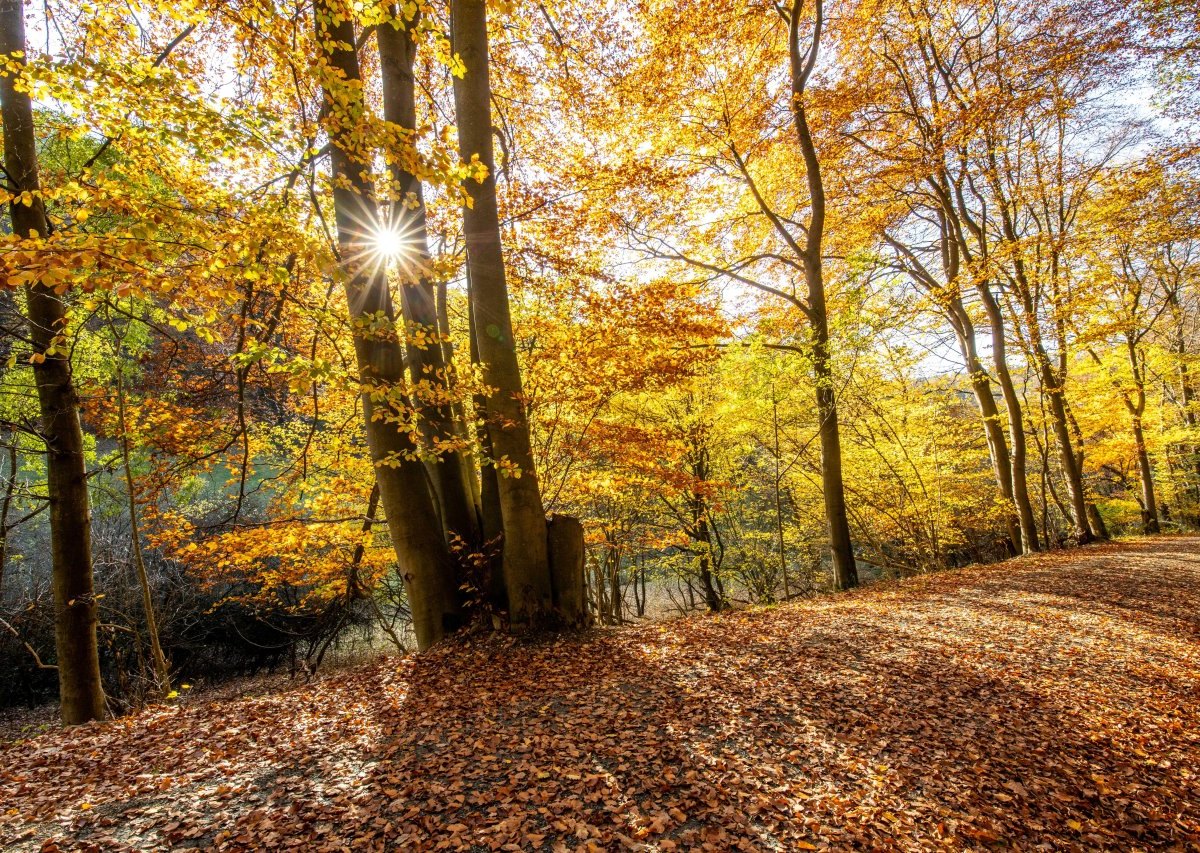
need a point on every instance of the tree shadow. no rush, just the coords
(972, 711)
(855, 729)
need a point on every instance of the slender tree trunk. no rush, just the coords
(491, 524)
(997, 444)
(462, 425)
(1189, 416)
(1072, 474)
(1135, 404)
(783, 567)
(614, 579)
(845, 570)
(1016, 425)
(427, 359)
(712, 598)
(10, 489)
(75, 612)
(1070, 458)
(416, 535)
(162, 672)
(525, 565)
(699, 529)
(1146, 474)
(1187, 390)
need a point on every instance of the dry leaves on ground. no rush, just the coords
(1049, 702)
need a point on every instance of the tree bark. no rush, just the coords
(565, 547)
(524, 561)
(412, 518)
(700, 530)
(1188, 395)
(1072, 473)
(489, 480)
(1016, 425)
(162, 673)
(426, 361)
(75, 612)
(783, 566)
(989, 412)
(845, 570)
(1137, 409)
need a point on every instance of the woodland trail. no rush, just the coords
(1050, 702)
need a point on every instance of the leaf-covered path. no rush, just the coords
(1045, 703)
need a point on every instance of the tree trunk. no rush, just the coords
(525, 565)
(1146, 474)
(845, 571)
(614, 580)
(565, 546)
(417, 538)
(1072, 474)
(1137, 409)
(489, 480)
(1016, 426)
(783, 566)
(75, 617)
(10, 489)
(712, 598)
(1070, 459)
(491, 524)
(162, 674)
(1096, 522)
(426, 361)
(993, 431)
(1188, 395)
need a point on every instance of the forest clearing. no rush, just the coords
(1049, 702)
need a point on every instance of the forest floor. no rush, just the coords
(1050, 702)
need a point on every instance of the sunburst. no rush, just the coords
(390, 238)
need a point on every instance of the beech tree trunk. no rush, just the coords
(162, 672)
(698, 528)
(712, 596)
(989, 412)
(79, 687)
(524, 562)
(1137, 409)
(783, 565)
(1016, 425)
(1187, 392)
(412, 517)
(1072, 474)
(1189, 415)
(845, 570)
(565, 546)
(489, 480)
(427, 363)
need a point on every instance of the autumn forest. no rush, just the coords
(477, 339)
